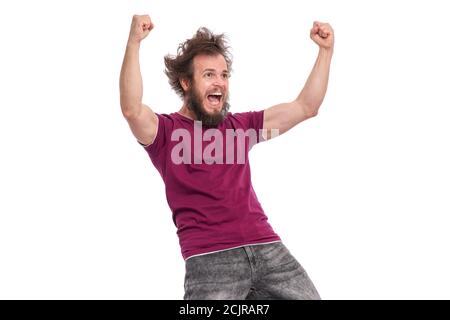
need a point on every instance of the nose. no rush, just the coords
(220, 82)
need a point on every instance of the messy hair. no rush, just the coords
(181, 66)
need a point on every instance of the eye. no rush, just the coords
(208, 75)
(225, 75)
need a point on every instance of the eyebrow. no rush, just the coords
(213, 70)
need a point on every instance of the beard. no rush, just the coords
(194, 103)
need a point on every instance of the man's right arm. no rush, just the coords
(142, 120)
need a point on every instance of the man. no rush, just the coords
(201, 152)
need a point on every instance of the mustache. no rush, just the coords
(194, 103)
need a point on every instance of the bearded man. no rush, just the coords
(201, 152)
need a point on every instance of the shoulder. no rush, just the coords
(248, 119)
(168, 120)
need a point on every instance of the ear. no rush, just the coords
(184, 84)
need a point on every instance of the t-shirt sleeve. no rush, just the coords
(253, 120)
(257, 120)
(160, 139)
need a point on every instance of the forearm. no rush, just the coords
(315, 87)
(131, 88)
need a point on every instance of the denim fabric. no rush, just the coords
(256, 272)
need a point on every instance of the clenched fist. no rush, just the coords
(140, 28)
(323, 35)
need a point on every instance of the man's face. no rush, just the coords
(207, 96)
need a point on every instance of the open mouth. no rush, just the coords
(214, 98)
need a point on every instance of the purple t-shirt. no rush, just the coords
(208, 186)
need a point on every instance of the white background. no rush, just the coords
(359, 194)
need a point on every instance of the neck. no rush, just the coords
(186, 112)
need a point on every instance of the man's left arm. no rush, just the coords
(284, 116)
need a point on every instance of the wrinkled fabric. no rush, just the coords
(259, 272)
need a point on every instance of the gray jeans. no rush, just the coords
(266, 271)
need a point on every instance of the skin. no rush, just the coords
(210, 75)
(140, 117)
(282, 117)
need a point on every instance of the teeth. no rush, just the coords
(216, 94)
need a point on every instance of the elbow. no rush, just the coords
(130, 107)
(129, 112)
(311, 112)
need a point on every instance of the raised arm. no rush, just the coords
(142, 120)
(286, 115)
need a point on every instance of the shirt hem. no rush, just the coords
(240, 246)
